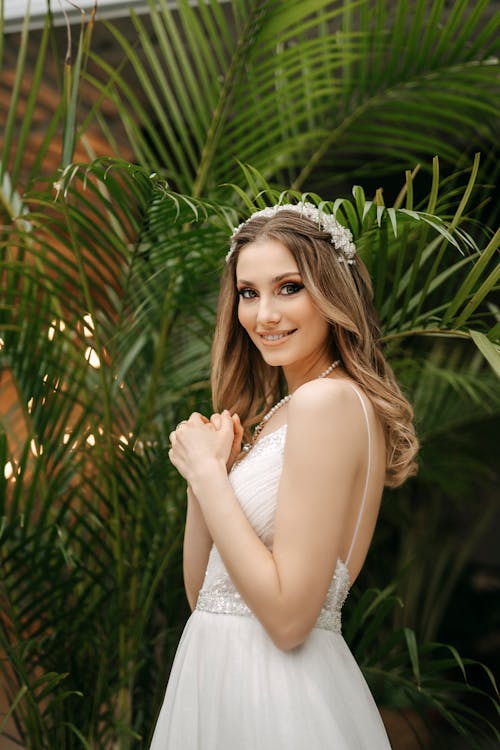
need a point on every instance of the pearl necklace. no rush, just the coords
(281, 403)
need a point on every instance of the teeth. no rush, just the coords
(275, 337)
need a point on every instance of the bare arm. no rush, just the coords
(286, 588)
(197, 539)
(197, 545)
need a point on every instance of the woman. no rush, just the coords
(277, 533)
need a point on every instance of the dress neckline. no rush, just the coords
(259, 445)
(269, 434)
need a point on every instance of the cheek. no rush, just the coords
(318, 324)
(321, 325)
(244, 315)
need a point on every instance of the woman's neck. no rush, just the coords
(296, 376)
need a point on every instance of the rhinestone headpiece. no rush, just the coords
(340, 236)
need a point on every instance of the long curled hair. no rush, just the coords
(242, 382)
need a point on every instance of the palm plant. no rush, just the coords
(317, 95)
(91, 513)
(108, 305)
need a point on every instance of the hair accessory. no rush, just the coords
(340, 236)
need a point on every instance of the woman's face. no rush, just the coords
(277, 311)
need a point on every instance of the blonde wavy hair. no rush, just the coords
(243, 383)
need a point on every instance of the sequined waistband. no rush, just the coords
(222, 599)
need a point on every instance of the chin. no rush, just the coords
(275, 360)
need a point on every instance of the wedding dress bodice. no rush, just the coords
(255, 480)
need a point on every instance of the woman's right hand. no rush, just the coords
(215, 419)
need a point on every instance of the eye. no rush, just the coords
(291, 287)
(247, 293)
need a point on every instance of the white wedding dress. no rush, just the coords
(231, 688)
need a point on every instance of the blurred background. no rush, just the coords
(132, 137)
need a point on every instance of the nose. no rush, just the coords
(268, 311)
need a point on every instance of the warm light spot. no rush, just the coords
(2, 344)
(45, 377)
(37, 450)
(122, 442)
(139, 447)
(91, 440)
(54, 326)
(92, 357)
(88, 330)
(8, 470)
(66, 437)
(30, 404)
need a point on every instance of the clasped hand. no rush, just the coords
(198, 440)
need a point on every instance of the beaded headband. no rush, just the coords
(340, 236)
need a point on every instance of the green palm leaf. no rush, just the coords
(281, 89)
(421, 678)
(85, 495)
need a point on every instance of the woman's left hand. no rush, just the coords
(196, 443)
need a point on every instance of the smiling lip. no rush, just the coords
(272, 339)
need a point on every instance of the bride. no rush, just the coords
(277, 530)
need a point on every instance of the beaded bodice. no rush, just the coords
(255, 480)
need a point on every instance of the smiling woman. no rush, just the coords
(277, 533)
(277, 312)
(337, 294)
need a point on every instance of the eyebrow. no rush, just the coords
(274, 280)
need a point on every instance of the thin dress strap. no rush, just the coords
(368, 470)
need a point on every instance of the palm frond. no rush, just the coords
(302, 90)
(422, 677)
(84, 497)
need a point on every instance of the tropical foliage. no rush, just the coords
(312, 94)
(107, 302)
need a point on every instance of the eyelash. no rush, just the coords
(295, 287)
(243, 293)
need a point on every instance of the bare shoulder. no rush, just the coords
(325, 399)
(327, 423)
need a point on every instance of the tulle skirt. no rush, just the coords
(231, 689)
